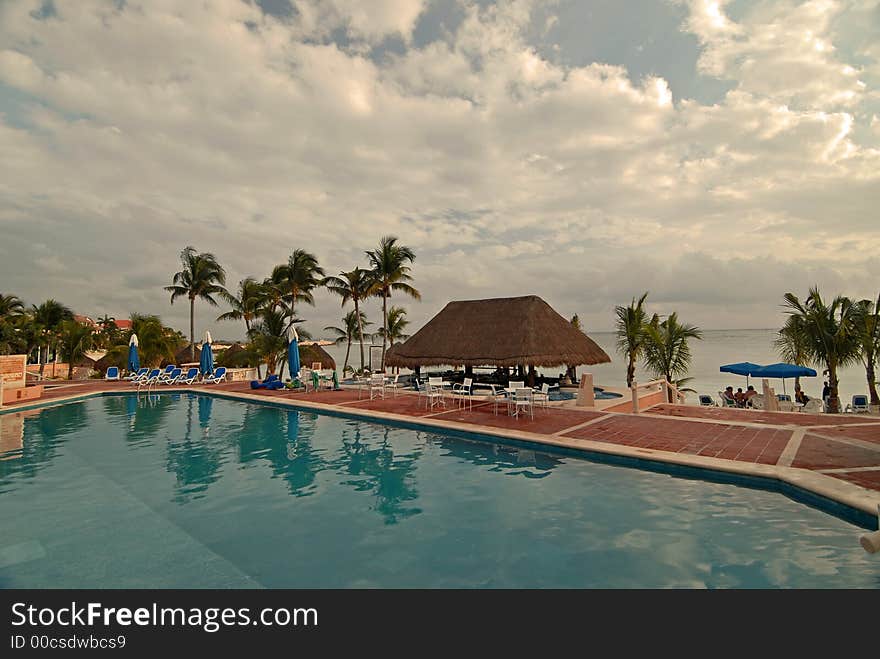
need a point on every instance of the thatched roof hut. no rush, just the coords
(497, 332)
(234, 356)
(184, 355)
(311, 354)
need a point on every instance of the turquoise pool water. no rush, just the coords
(194, 491)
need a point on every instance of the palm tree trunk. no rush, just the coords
(357, 314)
(833, 398)
(347, 353)
(631, 370)
(42, 360)
(192, 329)
(384, 324)
(872, 382)
(247, 325)
(70, 370)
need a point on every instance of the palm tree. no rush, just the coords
(631, 321)
(246, 305)
(156, 342)
(10, 305)
(390, 269)
(830, 333)
(665, 347)
(397, 323)
(201, 277)
(791, 344)
(74, 340)
(47, 319)
(352, 326)
(355, 285)
(268, 339)
(298, 278)
(868, 323)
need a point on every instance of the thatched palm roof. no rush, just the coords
(184, 355)
(309, 354)
(234, 356)
(497, 332)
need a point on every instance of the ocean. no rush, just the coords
(716, 348)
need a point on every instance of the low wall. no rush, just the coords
(19, 394)
(12, 370)
(241, 374)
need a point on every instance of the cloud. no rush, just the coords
(131, 130)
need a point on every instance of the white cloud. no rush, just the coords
(147, 128)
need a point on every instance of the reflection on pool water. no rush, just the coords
(193, 491)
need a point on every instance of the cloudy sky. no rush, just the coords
(715, 153)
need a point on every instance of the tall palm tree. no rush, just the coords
(830, 332)
(352, 327)
(791, 344)
(200, 278)
(390, 265)
(631, 321)
(355, 285)
(10, 305)
(74, 340)
(868, 323)
(298, 278)
(47, 319)
(247, 303)
(665, 347)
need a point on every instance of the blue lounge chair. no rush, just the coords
(149, 379)
(271, 382)
(218, 376)
(112, 373)
(141, 372)
(190, 376)
(859, 404)
(172, 377)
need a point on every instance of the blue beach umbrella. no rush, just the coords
(742, 368)
(205, 405)
(293, 355)
(206, 360)
(134, 363)
(783, 371)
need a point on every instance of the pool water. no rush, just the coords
(194, 491)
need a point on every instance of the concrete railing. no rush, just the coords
(646, 394)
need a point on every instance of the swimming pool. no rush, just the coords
(196, 491)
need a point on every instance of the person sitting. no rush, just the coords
(739, 397)
(800, 397)
(747, 396)
(728, 395)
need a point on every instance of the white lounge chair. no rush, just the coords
(217, 377)
(172, 377)
(112, 373)
(813, 406)
(149, 379)
(859, 404)
(707, 401)
(725, 401)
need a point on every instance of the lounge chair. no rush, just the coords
(859, 404)
(217, 377)
(813, 406)
(189, 377)
(271, 382)
(141, 372)
(112, 373)
(756, 402)
(149, 379)
(172, 377)
(707, 401)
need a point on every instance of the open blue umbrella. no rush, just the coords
(293, 355)
(783, 371)
(742, 368)
(206, 360)
(134, 363)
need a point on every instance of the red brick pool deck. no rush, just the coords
(844, 447)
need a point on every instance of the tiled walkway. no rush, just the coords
(844, 447)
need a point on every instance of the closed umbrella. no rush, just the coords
(134, 362)
(293, 354)
(206, 361)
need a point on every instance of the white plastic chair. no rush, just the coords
(435, 396)
(463, 393)
(393, 383)
(377, 386)
(523, 401)
(542, 396)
